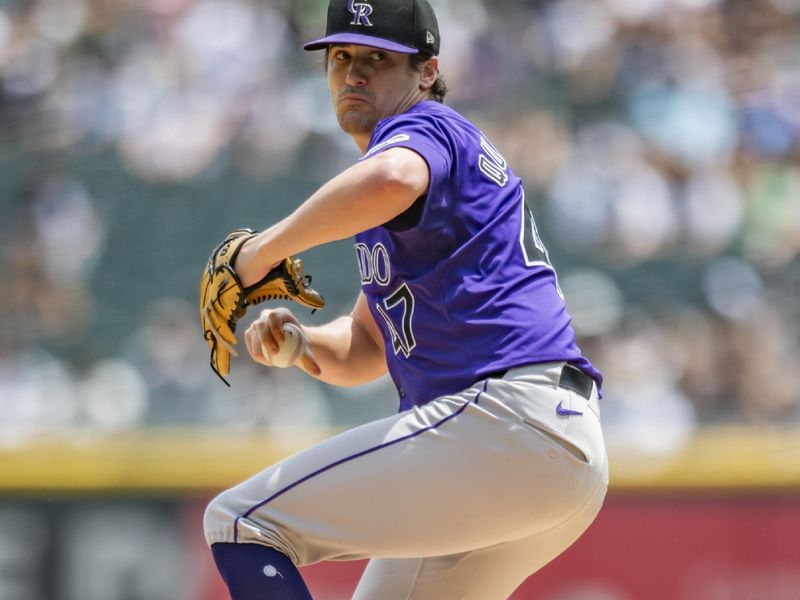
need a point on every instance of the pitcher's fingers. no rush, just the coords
(266, 353)
(255, 346)
(253, 349)
(265, 337)
(275, 327)
(277, 318)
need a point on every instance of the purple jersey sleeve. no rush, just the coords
(418, 133)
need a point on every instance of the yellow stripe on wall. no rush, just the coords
(198, 460)
(148, 460)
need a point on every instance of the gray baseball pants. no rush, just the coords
(460, 499)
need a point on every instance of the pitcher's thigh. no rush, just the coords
(386, 488)
(425, 482)
(491, 573)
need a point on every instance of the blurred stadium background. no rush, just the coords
(659, 139)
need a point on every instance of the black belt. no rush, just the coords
(572, 378)
(576, 380)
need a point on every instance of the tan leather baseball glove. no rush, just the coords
(224, 300)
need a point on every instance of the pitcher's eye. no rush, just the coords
(340, 56)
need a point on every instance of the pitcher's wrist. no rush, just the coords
(250, 267)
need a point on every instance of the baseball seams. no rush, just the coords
(292, 347)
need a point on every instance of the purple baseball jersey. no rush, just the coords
(468, 289)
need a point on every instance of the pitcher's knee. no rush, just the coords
(231, 519)
(219, 520)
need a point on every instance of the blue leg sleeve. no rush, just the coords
(256, 572)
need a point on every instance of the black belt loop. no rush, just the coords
(576, 380)
(496, 374)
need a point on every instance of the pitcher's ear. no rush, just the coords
(429, 73)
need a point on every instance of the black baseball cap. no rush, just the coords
(406, 26)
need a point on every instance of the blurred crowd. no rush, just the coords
(658, 139)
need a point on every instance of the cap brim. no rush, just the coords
(359, 40)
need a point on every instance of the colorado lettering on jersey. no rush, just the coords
(400, 137)
(492, 164)
(397, 310)
(373, 264)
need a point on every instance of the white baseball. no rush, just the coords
(292, 347)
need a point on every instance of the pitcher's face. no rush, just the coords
(368, 84)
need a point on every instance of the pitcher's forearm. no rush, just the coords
(366, 195)
(345, 353)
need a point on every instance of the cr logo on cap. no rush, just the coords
(361, 12)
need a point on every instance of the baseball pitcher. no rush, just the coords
(495, 462)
